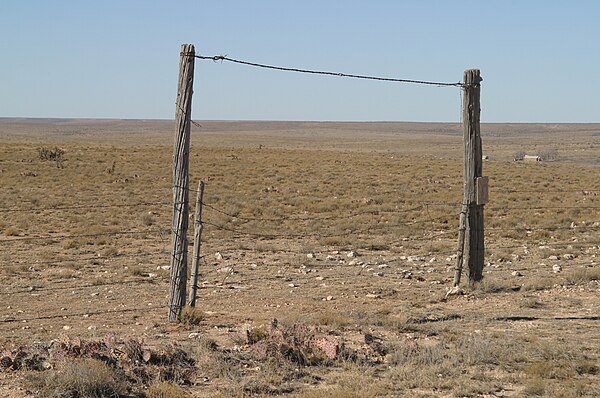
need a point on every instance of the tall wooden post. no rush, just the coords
(474, 242)
(181, 182)
(197, 244)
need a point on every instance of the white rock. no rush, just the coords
(352, 254)
(516, 273)
(553, 257)
(66, 327)
(194, 335)
(381, 266)
(329, 298)
(310, 255)
(568, 256)
(91, 328)
(218, 256)
(556, 268)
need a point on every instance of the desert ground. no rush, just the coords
(327, 252)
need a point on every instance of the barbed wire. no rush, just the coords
(115, 233)
(82, 206)
(95, 257)
(34, 289)
(309, 218)
(338, 74)
(84, 314)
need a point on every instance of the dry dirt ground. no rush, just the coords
(344, 233)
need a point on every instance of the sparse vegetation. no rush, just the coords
(326, 190)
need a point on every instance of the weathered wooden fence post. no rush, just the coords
(473, 181)
(198, 226)
(181, 182)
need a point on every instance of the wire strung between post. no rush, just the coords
(339, 74)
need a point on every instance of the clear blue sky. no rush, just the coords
(540, 60)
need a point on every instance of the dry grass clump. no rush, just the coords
(191, 316)
(85, 377)
(584, 275)
(98, 369)
(11, 231)
(166, 390)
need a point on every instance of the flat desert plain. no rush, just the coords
(327, 252)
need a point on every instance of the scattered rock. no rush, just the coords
(568, 256)
(556, 268)
(455, 291)
(219, 256)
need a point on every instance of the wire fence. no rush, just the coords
(421, 239)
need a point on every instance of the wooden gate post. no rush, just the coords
(181, 182)
(473, 181)
(198, 226)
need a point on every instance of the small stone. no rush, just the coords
(432, 260)
(218, 256)
(66, 327)
(378, 274)
(556, 268)
(310, 255)
(382, 266)
(372, 295)
(292, 285)
(553, 257)
(91, 328)
(329, 298)
(516, 273)
(352, 254)
(455, 291)
(194, 335)
(568, 256)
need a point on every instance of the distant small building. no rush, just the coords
(532, 158)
